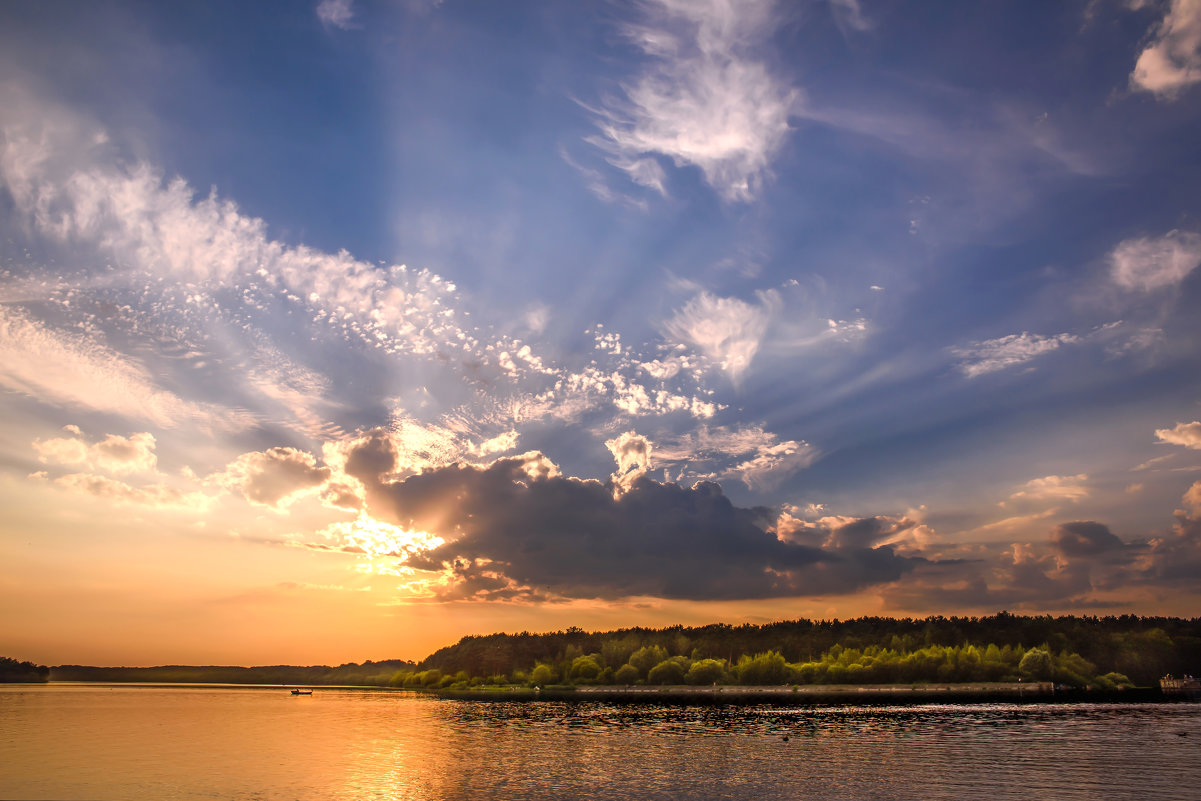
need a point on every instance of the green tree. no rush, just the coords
(647, 657)
(585, 668)
(763, 669)
(626, 674)
(1036, 664)
(541, 675)
(705, 671)
(669, 671)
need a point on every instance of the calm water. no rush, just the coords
(105, 742)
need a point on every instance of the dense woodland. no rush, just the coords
(13, 671)
(1099, 652)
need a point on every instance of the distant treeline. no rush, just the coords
(367, 674)
(1102, 652)
(13, 671)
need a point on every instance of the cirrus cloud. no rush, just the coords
(703, 99)
(1151, 263)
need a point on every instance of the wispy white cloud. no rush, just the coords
(74, 371)
(748, 453)
(772, 464)
(1071, 488)
(991, 355)
(301, 392)
(704, 99)
(336, 13)
(849, 15)
(161, 228)
(1150, 263)
(156, 496)
(728, 331)
(1171, 62)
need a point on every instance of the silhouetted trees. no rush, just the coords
(13, 671)
(367, 674)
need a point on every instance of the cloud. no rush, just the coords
(275, 478)
(1186, 434)
(1085, 538)
(516, 528)
(728, 331)
(299, 391)
(771, 464)
(841, 533)
(158, 496)
(374, 538)
(991, 355)
(336, 13)
(761, 459)
(1081, 564)
(1172, 61)
(849, 15)
(161, 228)
(1070, 488)
(703, 99)
(1176, 558)
(71, 370)
(1192, 499)
(114, 454)
(633, 455)
(1148, 263)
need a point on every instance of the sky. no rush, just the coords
(338, 330)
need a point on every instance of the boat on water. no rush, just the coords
(1184, 685)
(302, 692)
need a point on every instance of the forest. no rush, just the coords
(1099, 652)
(1080, 651)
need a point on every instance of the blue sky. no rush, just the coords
(452, 316)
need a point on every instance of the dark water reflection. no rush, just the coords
(100, 742)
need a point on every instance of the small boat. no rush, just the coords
(302, 692)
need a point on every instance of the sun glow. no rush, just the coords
(375, 539)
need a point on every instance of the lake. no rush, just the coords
(128, 742)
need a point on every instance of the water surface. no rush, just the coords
(121, 742)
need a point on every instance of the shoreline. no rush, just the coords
(1012, 692)
(811, 694)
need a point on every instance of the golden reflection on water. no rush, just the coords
(101, 743)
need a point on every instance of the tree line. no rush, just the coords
(367, 674)
(1102, 652)
(13, 671)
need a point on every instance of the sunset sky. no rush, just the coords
(337, 330)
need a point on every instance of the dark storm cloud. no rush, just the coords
(517, 528)
(1085, 538)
